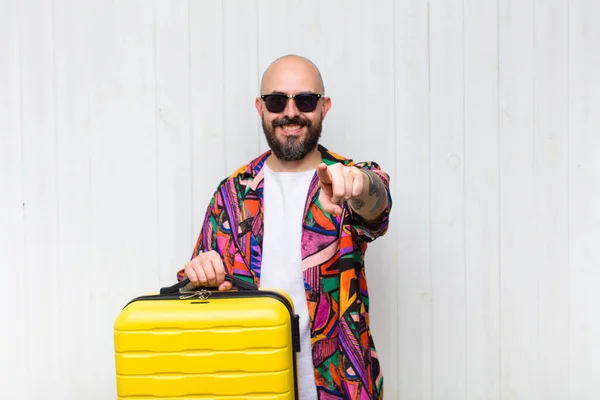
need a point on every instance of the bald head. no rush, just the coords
(291, 73)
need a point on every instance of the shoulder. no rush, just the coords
(250, 169)
(244, 176)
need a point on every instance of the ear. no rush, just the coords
(258, 106)
(326, 107)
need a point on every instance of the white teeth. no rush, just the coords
(291, 127)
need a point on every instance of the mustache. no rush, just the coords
(291, 121)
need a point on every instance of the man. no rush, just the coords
(299, 218)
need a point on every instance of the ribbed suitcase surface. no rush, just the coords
(211, 345)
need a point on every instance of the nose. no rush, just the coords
(290, 109)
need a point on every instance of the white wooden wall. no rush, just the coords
(118, 118)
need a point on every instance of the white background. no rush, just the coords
(118, 119)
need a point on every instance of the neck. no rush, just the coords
(310, 161)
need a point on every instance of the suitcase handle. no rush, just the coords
(235, 281)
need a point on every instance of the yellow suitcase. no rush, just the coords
(206, 344)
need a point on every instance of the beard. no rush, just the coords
(292, 148)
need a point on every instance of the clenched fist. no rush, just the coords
(207, 269)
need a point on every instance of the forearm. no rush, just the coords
(373, 199)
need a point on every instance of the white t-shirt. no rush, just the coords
(284, 199)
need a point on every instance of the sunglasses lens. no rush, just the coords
(306, 102)
(275, 103)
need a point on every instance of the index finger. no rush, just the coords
(322, 173)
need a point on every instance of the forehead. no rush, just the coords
(291, 78)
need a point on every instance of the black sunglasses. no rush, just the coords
(276, 103)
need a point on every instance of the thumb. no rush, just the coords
(225, 286)
(322, 173)
(328, 205)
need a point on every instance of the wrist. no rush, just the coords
(372, 200)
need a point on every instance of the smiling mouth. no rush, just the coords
(292, 128)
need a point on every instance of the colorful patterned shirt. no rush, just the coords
(333, 248)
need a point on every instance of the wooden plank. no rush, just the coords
(447, 201)
(584, 163)
(480, 21)
(173, 127)
(240, 85)
(343, 78)
(551, 191)
(123, 259)
(106, 227)
(70, 334)
(412, 209)
(519, 275)
(13, 341)
(208, 151)
(309, 42)
(39, 152)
